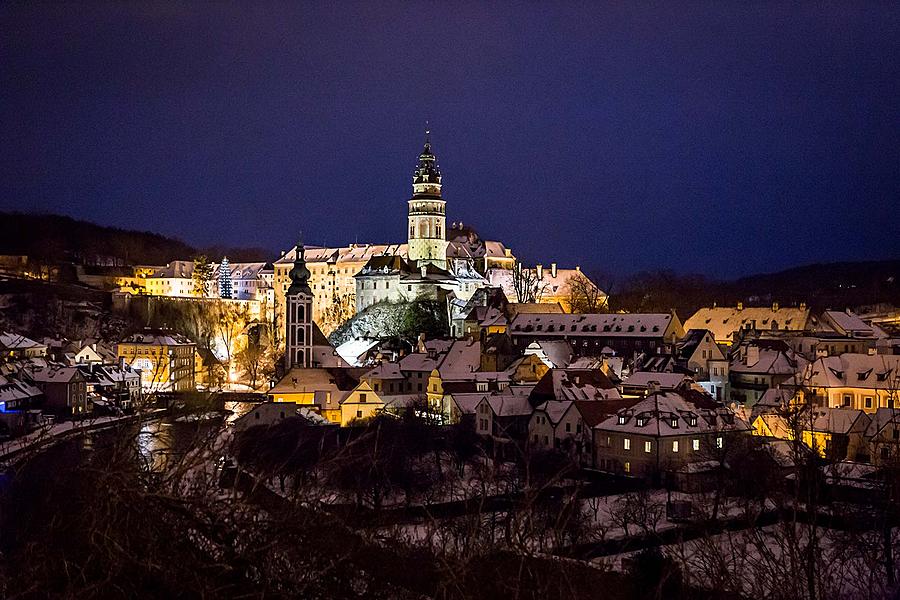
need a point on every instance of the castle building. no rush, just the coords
(434, 267)
(427, 212)
(298, 316)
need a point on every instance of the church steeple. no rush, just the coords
(299, 274)
(298, 311)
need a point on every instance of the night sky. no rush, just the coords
(720, 138)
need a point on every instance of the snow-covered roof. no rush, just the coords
(384, 370)
(666, 381)
(553, 353)
(872, 372)
(671, 413)
(157, 337)
(52, 374)
(554, 410)
(352, 351)
(770, 361)
(466, 402)
(509, 405)
(647, 325)
(356, 253)
(724, 321)
(461, 360)
(15, 341)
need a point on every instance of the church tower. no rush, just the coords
(298, 315)
(427, 212)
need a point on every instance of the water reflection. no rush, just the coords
(155, 444)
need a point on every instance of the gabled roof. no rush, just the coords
(666, 381)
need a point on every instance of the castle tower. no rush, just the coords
(298, 315)
(427, 212)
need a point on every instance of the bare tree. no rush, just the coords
(583, 296)
(527, 285)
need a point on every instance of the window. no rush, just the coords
(675, 446)
(641, 421)
(359, 414)
(627, 467)
(719, 442)
(627, 445)
(692, 421)
(847, 399)
(695, 444)
(568, 427)
(621, 420)
(648, 446)
(362, 397)
(674, 422)
(868, 402)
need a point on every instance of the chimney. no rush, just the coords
(553, 270)
(652, 387)
(540, 271)
(752, 356)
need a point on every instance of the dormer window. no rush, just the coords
(692, 421)
(641, 421)
(621, 419)
(674, 422)
(863, 375)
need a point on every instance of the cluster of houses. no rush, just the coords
(636, 394)
(53, 379)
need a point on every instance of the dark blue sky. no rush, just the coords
(722, 138)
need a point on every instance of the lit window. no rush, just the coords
(648, 446)
(695, 444)
(628, 467)
(628, 443)
(675, 446)
(719, 442)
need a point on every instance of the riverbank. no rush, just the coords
(46, 436)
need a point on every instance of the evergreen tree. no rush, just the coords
(203, 276)
(225, 279)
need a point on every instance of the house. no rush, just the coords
(15, 347)
(116, 386)
(699, 353)
(883, 436)
(591, 334)
(64, 389)
(836, 434)
(861, 381)
(272, 413)
(727, 322)
(527, 369)
(322, 388)
(568, 426)
(18, 402)
(553, 285)
(504, 416)
(361, 403)
(761, 365)
(165, 358)
(664, 432)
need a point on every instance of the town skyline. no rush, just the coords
(266, 125)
